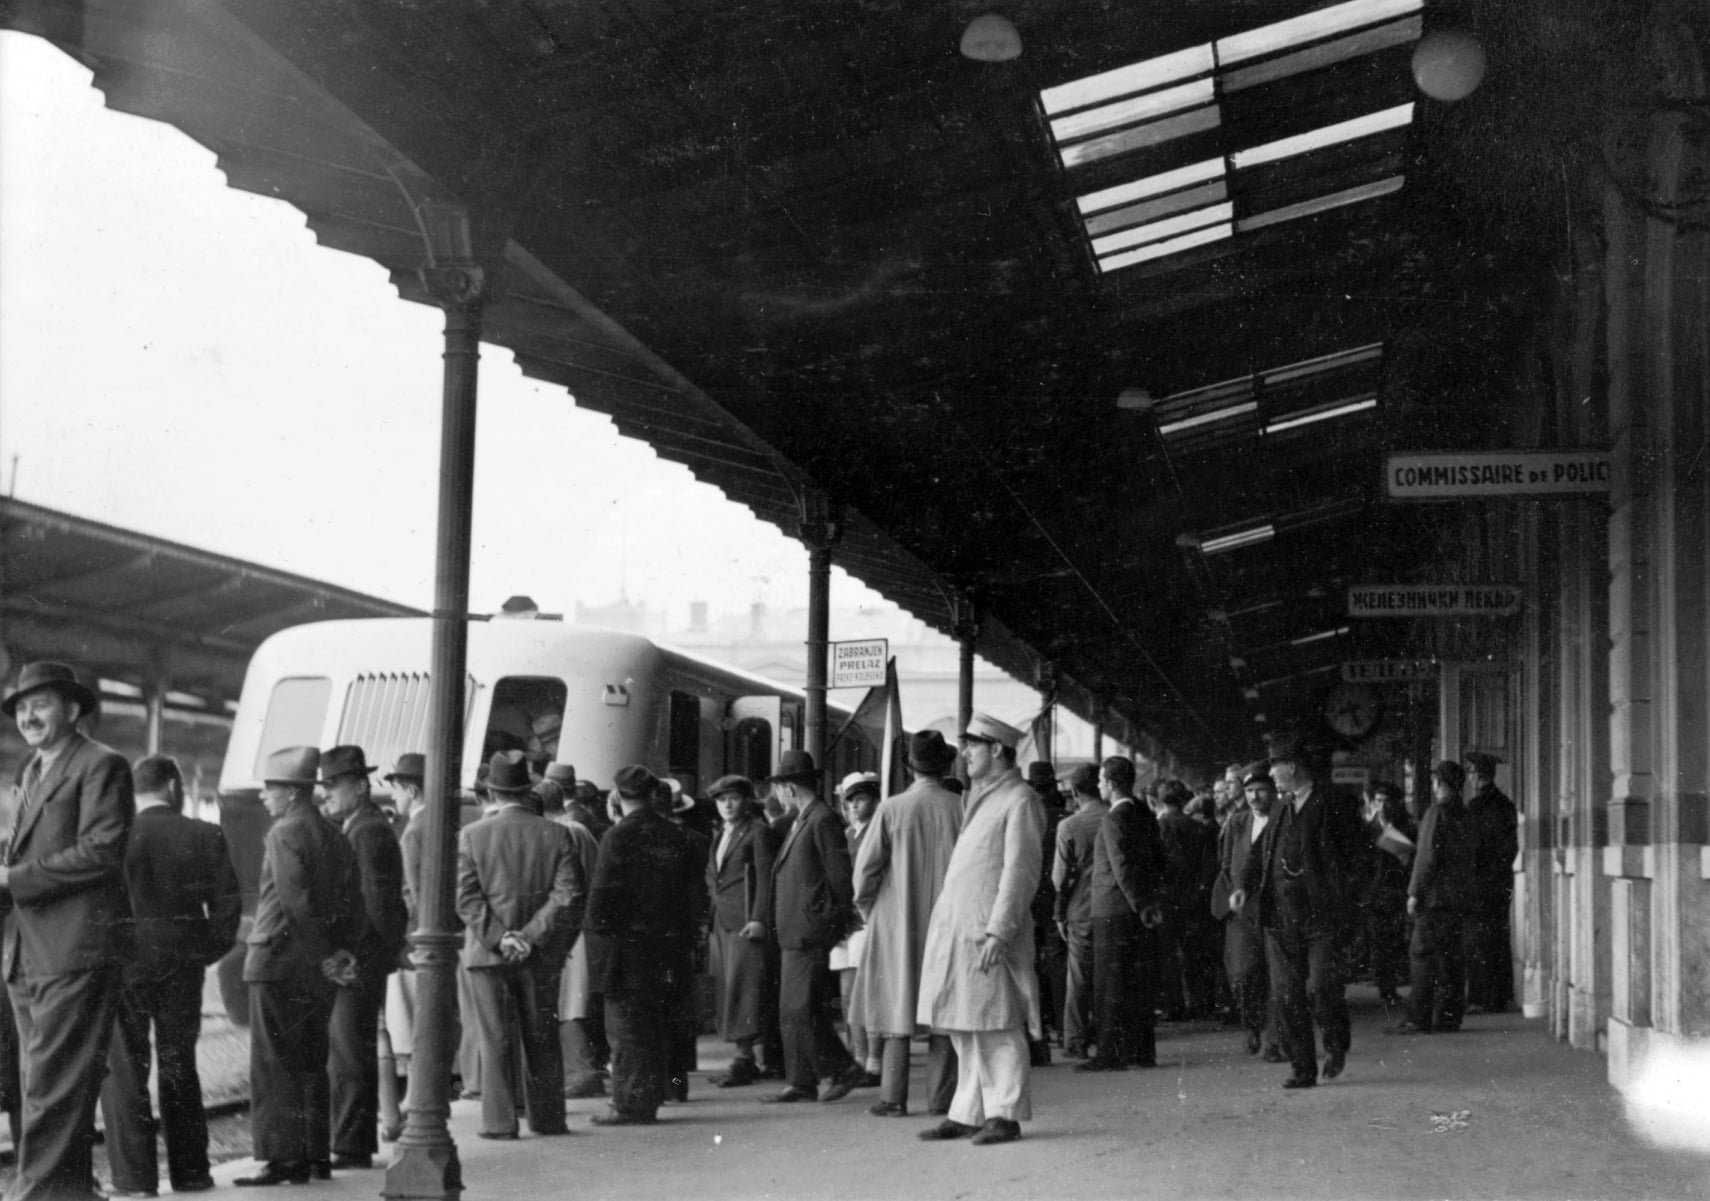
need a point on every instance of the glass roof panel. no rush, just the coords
(1329, 135)
(1131, 111)
(1309, 27)
(1152, 185)
(1124, 81)
(1160, 250)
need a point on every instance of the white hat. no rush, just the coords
(990, 729)
(858, 777)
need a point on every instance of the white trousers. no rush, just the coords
(992, 1069)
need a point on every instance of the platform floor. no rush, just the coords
(1496, 1111)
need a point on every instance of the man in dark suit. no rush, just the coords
(1496, 840)
(1243, 940)
(1299, 880)
(813, 898)
(1440, 894)
(521, 895)
(1071, 874)
(185, 897)
(301, 951)
(353, 1035)
(1127, 883)
(739, 882)
(67, 927)
(1188, 985)
(641, 918)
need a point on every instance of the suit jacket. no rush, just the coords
(184, 893)
(1071, 868)
(1332, 842)
(741, 890)
(1190, 858)
(310, 903)
(643, 904)
(519, 872)
(1496, 840)
(1128, 861)
(1443, 868)
(1234, 848)
(69, 911)
(380, 875)
(813, 888)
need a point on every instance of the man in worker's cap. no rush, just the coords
(302, 949)
(1243, 941)
(1440, 895)
(813, 902)
(641, 920)
(1496, 841)
(977, 982)
(1300, 880)
(521, 895)
(67, 924)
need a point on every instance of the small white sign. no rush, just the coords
(1388, 671)
(859, 664)
(1433, 600)
(1359, 777)
(1451, 475)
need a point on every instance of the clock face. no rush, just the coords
(1352, 710)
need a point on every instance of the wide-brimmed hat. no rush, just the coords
(295, 765)
(507, 772)
(795, 767)
(986, 728)
(343, 761)
(48, 674)
(635, 782)
(411, 765)
(928, 752)
(561, 774)
(742, 786)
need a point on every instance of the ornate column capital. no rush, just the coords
(461, 271)
(821, 520)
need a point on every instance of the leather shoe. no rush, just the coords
(1097, 1064)
(1274, 1054)
(790, 1095)
(997, 1130)
(842, 1084)
(320, 1169)
(352, 1162)
(742, 1072)
(946, 1129)
(614, 1118)
(273, 1173)
(1334, 1063)
(504, 1136)
(888, 1109)
(194, 1184)
(1252, 1042)
(1299, 1081)
(1406, 1028)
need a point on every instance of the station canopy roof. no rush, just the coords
(1111, 336)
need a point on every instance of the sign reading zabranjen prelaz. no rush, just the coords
(1450, 475)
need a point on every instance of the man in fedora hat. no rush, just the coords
(814, 907)
(898, 875)
(1300, 879)
(1496, 840)
(302, 946)
(521, 894)
(67, 924)
(353, 1035)
(977, 983)
(642, 908)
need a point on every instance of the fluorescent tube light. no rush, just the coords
(1152, 185)
(1305, 639)
(1158, 250)
(1247, 537)
(1131, 111)
(1324, 204)
(1341, 410)
(1124, 81)
(1188, 423)
(1328, 135)
(1167, 228)
(1309, 27)
(1138, 137)
(1323, 363)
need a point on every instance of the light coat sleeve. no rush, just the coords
(871, 864)
(1023, 853)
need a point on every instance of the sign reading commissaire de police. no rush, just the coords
(1450, 475)
(1433, 600)
(859, 664)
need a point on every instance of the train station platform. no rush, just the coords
(1495, 1111)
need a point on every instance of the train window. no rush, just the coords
(527, 715)
(684, 748)
(751, 748)
(296, 716)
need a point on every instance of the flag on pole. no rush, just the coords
(879, 718)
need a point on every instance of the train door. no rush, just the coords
(753, 736)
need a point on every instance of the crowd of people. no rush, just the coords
(993, 915)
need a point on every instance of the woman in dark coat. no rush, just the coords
(739, 881)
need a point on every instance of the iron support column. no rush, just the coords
(427, 1165)
(965, 625)
(821, 527)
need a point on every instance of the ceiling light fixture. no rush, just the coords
(991, 38)
(1328, 135)
(1320, 636)
(1247, 537)
(1344, 409)
(1188, 423)
(1135, 400)
(1296, 31)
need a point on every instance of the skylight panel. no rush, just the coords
(1151, 210)
(1343, 408)
(1242, 385)
(1188, 423)
(1160, 250)
(1124, 81)
(1328, 135)
(1334, 200)
(1152, 185)
(1140, 136)
(1163, 229)
(1371, 41)
(1309, 27)
(1131, 111)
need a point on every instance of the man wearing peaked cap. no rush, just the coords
(67, 933)
(521, 893)
(307, 921)
(1496, 840)
(977, 979)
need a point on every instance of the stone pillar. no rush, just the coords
(426, 1164)
(820, 528)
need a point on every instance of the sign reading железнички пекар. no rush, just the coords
(1433, 600)
(1451, 475)
(859, 664)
